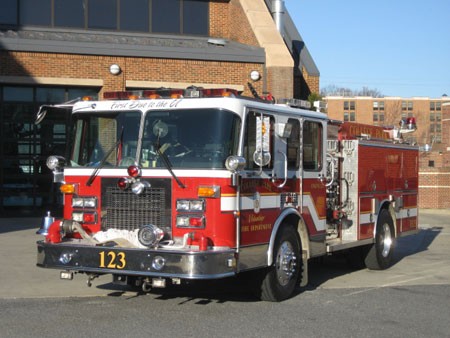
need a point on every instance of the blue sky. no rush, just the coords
(401, 48)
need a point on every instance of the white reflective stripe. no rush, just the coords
(109, 172)
(228, 203)
(406, 213)
(308, 202)
(365, 219)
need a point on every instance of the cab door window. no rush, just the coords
(312, 146)
(293, 144)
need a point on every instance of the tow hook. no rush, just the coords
(90, 279)
(146, 285)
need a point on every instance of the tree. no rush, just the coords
(333, 90)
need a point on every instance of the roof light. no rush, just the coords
(134, 171)
(123, 183)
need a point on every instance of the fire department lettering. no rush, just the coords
(112, 260)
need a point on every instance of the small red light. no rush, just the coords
(134, 171)
(123, 183)
(89, 218)
(196, 221)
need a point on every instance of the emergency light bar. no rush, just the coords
(164, 93)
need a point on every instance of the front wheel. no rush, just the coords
(380, 254)
(282, 277)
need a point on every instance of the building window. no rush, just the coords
(352, 116)
(407, 105)
(378, 105)
(349, 105)
(24, 146)
(346, 118)
(8, 12)
(132, 17)
(187, 17)
(102, 14)
(431, 163)
(35, 15)
(432, 117)
(69, 13)
(375, 117)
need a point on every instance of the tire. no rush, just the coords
(379, 256)
(281, 279)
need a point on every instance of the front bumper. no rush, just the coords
(72, 256)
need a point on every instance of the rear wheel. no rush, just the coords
(381, 252)
(281, 279)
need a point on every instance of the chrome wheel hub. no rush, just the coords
(386, 240)
(286, 263)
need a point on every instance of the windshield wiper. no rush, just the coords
(168, 165)
(103, 161)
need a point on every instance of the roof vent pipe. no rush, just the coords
(278, 14)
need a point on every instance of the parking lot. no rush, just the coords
(422, 259)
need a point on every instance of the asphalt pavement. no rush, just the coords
(421, 259)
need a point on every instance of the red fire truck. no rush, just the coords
(164, 186)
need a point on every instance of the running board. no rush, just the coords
(338, 245)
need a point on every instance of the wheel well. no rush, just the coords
(387, 205)
(292, 219)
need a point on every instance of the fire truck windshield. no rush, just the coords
(188, 138)
(107, 138)
(194, 138)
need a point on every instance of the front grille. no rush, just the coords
(126, 211)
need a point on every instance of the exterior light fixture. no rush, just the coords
(255, 76)
(114, 69)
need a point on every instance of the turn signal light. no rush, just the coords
(68, 188)
(212, 191)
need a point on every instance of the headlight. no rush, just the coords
(190, 205)
(84, 202)
(55, 162)
(235, 163)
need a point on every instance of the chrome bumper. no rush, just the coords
(211, 264)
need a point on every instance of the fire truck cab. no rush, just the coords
(164, 186)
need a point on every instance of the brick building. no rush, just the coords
(56, 50)
(433, 129)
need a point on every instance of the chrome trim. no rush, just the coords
(210, 264)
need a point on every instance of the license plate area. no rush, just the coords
(108, 259)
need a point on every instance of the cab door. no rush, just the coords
(313, 170)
